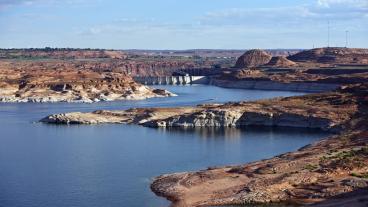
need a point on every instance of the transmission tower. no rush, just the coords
(328, 33)
(346, 38)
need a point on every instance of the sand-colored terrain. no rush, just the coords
(36, 84)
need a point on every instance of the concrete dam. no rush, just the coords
(171, 80)
(245, 84)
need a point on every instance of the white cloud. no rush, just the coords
(9, 3)
(320, 10)
(351, 3)
(258, 14)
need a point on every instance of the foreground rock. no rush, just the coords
(321, 173)
(313, 174)
(71, 86)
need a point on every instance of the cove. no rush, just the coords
(112, 165)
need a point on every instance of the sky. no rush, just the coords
(183, 24)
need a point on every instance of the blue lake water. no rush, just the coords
(112, 165)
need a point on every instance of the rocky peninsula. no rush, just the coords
(302, 111)
(72, 86)
(37, 81)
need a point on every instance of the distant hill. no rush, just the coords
(68, 53)
(337, 55)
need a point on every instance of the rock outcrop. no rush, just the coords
(280, 62)
(71, 86)
(253, 58)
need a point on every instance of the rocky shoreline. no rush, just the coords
(331, 172)
(312, 174)
(282, 112)
(274, 85)
(315, 173)
(49, 86)
(78, 97)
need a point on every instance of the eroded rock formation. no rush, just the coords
(253, 58)
(280, 62)
(71, 86)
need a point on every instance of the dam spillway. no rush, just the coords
(171, 80)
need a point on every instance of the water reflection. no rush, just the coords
(207, 132)
(234, 133)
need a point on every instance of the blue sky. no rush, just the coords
(182, 24)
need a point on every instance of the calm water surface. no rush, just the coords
(112, 165)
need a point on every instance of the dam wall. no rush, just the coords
(171, 80)
(243, 84)
(272, 85)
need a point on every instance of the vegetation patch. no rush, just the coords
(347, 159)
(311, 167)
(363, 175)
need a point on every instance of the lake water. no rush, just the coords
(112, 165)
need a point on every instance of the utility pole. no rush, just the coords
(346, 38)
